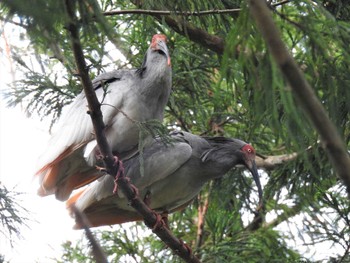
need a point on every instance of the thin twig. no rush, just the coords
(202, 212)
(167, 13)
(287, 214)
(331, 140)
(179, 118)
(227, 120)
(152, 219)
(180, 13)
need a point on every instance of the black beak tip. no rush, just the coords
(256, 178)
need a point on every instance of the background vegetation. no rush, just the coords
(225, 82)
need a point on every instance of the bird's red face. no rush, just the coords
(249, 153)
(159, 43)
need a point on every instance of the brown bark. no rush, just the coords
(151, 218)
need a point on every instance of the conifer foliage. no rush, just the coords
(226, 81)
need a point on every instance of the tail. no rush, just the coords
(101, 212)
(67, 172)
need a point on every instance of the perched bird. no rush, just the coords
(127, 97)
(173, 174)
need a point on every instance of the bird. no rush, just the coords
(127, 98)
(171, 176)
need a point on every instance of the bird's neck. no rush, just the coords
(221, 160)
(156, 77)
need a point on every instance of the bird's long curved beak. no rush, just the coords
(254, 171)
(161, 45)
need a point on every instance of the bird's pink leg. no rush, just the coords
(164, 216)
(159, 222)
(187, 247)
(119, 173)
(162, 219)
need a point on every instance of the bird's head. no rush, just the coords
(158, 44)
(248, 156)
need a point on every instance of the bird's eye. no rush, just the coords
(248, 149)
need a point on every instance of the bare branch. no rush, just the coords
(181, 13)
(288, 213)
(151, 218)
(202, 211)
(195, 34)
(218, 125)
(167, 13)
(97, 251)
(330, 138)
(270, 162)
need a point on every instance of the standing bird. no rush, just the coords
(173, 175)
(127, 97)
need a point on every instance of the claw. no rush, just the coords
(164, 216)
(187, 247)
(119, 173)
(158, 224)
(134, 188)
(147, 198)
(101, 169)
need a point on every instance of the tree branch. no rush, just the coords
(270, 162)
(202, 212)
(288, 213)
(168, 13)
(219, 125)
(181, 13)
(179, 118)
(195, 34)
(97, 251)
(330, 138)
(150, 217)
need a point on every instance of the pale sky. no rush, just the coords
(22, 140)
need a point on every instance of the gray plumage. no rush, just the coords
(127, 97)
(173, 176)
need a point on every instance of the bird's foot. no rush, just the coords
(134, 189)
(120, 172)
(159, 224)
(187, 247)
(101, 169)
(147, 198)
(164, 216)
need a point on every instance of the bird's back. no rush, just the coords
(128, 98)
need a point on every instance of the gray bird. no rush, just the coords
(127, 97)
(173, 175)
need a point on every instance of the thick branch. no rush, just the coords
(150, 217)
(270, 162)
(330, 138)
(93, 103)
(195, 34)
